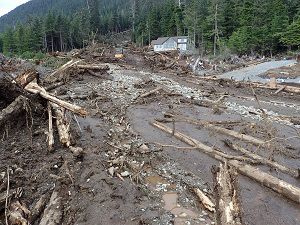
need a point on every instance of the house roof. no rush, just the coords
(162, 40)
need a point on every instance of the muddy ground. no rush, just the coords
(127, 174)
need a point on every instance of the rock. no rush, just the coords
(183, 215)
(125, 174)
(144, 148)
(111, 170)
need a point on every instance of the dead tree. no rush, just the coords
(226, 194)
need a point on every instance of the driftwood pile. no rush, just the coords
(17, 92)
(166, 61)
(21, 95)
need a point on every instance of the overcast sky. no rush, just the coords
(8, 5)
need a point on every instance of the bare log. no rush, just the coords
(288, 190)
(225, 131)
(262, 160)
(280, 89)
(151, 92)
(62, 125)
(54, 211)
(63, 68)
(39, 207)
(227, 205)
(206, 202)
(36, 89)
(50, 129)
(13, 110)
(25, 78)
(94, 67)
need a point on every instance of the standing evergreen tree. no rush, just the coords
(9, 44)
(292, 36)
(20, 39)
(50, 31)
(279, 23)
(95, 16)
(1, 43)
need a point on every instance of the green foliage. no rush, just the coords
(292, 35)
(27, 55)
(1, 43)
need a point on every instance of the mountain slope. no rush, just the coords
(42, 7)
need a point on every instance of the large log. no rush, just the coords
(50, 129)
(62, 69)
(222, 130)
(227, 204)
(62, 125)
(288, 190)
(26, 77)
(36, 89)
(54, 211)
(94, 67)
(13, 110)
(263, 160)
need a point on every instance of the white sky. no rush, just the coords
(8, 5)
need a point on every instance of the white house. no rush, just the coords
(170, 44)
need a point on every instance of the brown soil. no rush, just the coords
(284, 72)
(150, 183)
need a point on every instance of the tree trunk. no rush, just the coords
(13, 110)
(54, 212)
(287, 190)
(52, 43)
(227, 204)
(216, 29)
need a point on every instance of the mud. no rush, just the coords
(127, 175)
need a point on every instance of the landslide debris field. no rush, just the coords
(141, 140)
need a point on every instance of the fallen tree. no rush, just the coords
(36, 89)
(26, 77)
(13, 110)
(54, 211)
(62, 125)
(222, 130)
(225, 188)
(262, 160)
(288, 190)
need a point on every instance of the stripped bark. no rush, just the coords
(26, 77)
(62, 69)
(227, 205)
(54, 211)
(62, 125)
(94, 67)
(206, 202)
(50, 129)
(262, 160)
(36, 89)
(287, 190)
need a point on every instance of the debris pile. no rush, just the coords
(143, 147)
